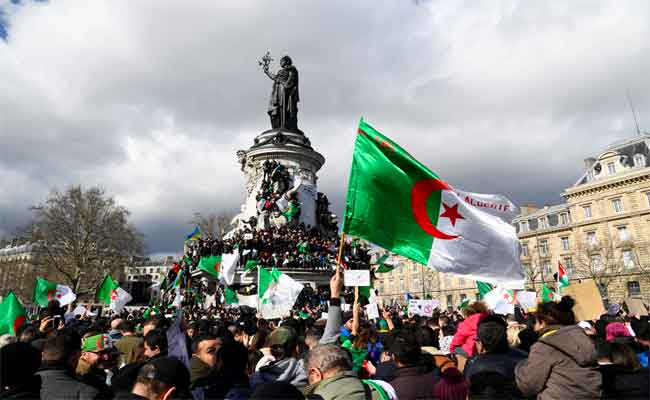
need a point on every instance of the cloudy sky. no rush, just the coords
(151, 99)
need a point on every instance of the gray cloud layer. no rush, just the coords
(151, 99)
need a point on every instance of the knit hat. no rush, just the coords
(452, 386)
(281, 336)
(96, 343)
(168, 370)
(616, 329)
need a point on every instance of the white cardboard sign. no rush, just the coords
(423, 307)
(353, 277)
(527, 299)
(373, 311)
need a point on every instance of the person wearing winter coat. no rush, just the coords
(282, 364)
(624, 378)
(563, 363)
(463, 342)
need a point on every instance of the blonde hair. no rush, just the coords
(513, 334)
(477, 307)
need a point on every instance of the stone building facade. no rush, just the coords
(20, 264)
(602, 231)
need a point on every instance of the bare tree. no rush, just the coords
(601, 261)
(212, 225)
(533, 271)
(83, 235)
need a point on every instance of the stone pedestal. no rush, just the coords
(293, 150)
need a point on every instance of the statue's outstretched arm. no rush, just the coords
(270, 75)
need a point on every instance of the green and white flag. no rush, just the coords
(211, 265)
(229, 263)
(549, 295)
(234, 299)
(501, 301)
(277, 293)
(109, 292)
(12, 314)
(230, 296)
(44, 291)
(394, 201)
(483, 288)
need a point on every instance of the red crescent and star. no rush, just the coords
(419, 195)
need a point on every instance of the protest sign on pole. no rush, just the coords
(353, 277)
(423, 307)
(372, 310)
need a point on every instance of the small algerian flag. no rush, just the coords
(109, 292)
(562, 278)
(12, 314)
(44, 291)
(230, 296)
(548, 295)
(229, 263)
(501, 300)
(211, 265)
(251, 264)
(483, 288)
(464, 304)
(383, 267)
(278, 293)
(394, 201)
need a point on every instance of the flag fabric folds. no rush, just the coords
(548, 295)
(211, 265)
(229, 263)
(194, 235)
(562, 278)
(44, 291)
(483, 288)
(12, 314)
(397, 203)
(250, 265)
(230, 296)
(501, 300)
(277, 292)
(109, 292)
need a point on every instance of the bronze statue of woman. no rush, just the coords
(283, 104)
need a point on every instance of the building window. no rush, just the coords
(611, 168)
(618, 205)
(647, 198)
(450, 302)
(565, 243)
(523, 226)
(564, 219)
(596, 263)
(587, 210)
(543, 223)
(401, 284)
(591, 239)
(524, 249)
(622, 233)
(461, 282)
(415, 267)
(633, 289)
(569, 267)
(463, 296)
(639, 160)
(477, 296)
(543, 248)
(547, 267)
(628, 259)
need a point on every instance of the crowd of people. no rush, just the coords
(232, 353)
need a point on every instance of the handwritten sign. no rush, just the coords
(353, 277)
(589, 303)
(423, 307)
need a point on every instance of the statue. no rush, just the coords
(283, 105)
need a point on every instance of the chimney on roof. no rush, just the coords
(589, 162)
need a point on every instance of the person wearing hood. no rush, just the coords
(280, 362)
(563, 363)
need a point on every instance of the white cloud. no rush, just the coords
(151, 99)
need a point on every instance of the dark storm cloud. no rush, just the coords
(151, 100)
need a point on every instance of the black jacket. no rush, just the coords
(621, 384)
(57, 384)
(503, 363)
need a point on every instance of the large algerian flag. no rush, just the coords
(44, 291)
(109, 292)
(277, 292)
(384, 264)
(12, 314)
(211, 265)
(397, 203)
(562, 278)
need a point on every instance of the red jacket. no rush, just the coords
(466, 333)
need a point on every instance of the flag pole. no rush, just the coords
(338, 258)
